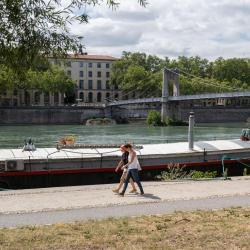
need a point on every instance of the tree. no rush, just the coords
(30, 29)
(52, 79)
(139, 73)
(143, 74)
(232, 69)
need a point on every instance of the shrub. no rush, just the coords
(174, 122)
(245, 172)
(154, 118)
(174, 171)
(200, 174)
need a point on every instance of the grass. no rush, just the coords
(221, 229)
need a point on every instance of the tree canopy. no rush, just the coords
(33, 30)
(36, 28)
(143, 74)
(53, 79)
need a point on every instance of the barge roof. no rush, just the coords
(147, 150)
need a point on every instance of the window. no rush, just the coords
(37, 98)
(116, 86)
(81, 73)
(99, 65)
(107, 84)
(57, 63)
(99, 74)
(69, 73)
(46, 98)
(107, 65)
(116, 96)
(99, 84)
(81, 84)
(56, 98)
(90, 97)
(99, 97)
(68, 63)
(107, 74)
(80, 64)
(81, 96)
(90, 84)
(90, 65)
(90, 73)
(107, 96)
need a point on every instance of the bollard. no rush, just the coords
(191, 131)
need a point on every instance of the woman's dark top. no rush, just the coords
(125, 157)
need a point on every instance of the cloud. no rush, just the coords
(169, 28)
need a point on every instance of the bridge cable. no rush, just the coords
(208, 83)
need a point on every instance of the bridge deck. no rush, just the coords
(181, 98)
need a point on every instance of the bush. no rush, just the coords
(173, 172)
(245, 172)
(174, 122)
(154, 118)
(200, 174)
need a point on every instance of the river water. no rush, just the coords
(48, 135)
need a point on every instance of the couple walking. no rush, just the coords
(130, 166)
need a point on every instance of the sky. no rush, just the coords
(169, 28)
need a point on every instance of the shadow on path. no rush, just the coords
(151, 196)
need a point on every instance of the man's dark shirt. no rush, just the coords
(125, 157)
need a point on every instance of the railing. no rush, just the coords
(181, 98)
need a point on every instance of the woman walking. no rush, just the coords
(122, 163)
(133, 167)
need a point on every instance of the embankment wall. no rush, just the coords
(48, 115)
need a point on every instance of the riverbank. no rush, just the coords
(78, 115)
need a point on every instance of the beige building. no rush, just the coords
(91, 74)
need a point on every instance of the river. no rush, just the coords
(48, 135)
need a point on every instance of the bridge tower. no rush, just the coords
(169, 75)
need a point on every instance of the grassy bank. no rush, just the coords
(222, 229)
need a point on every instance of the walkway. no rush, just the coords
(67, 204)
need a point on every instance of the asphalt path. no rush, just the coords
(156, 208)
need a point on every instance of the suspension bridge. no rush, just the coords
(170, 104)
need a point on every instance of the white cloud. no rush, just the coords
(169, 28)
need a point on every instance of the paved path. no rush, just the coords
(71, 215)
(65, 204)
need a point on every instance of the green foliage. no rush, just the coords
(225, 174)
(53, 79)
(174, 171)
(200, 174)
(30, 30)
(154, 118)
(175, 122)
(142, 74)
(245, 172)
(139, 73)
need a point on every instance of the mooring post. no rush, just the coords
(191, 131)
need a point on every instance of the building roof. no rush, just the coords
(93, 57)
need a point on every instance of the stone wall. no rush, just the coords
(217, 114)
(49, 115)
(206, 114)
(78, 115)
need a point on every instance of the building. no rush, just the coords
(91, 74)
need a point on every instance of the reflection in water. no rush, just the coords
(48, 135)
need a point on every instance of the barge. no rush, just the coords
(45, 167)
